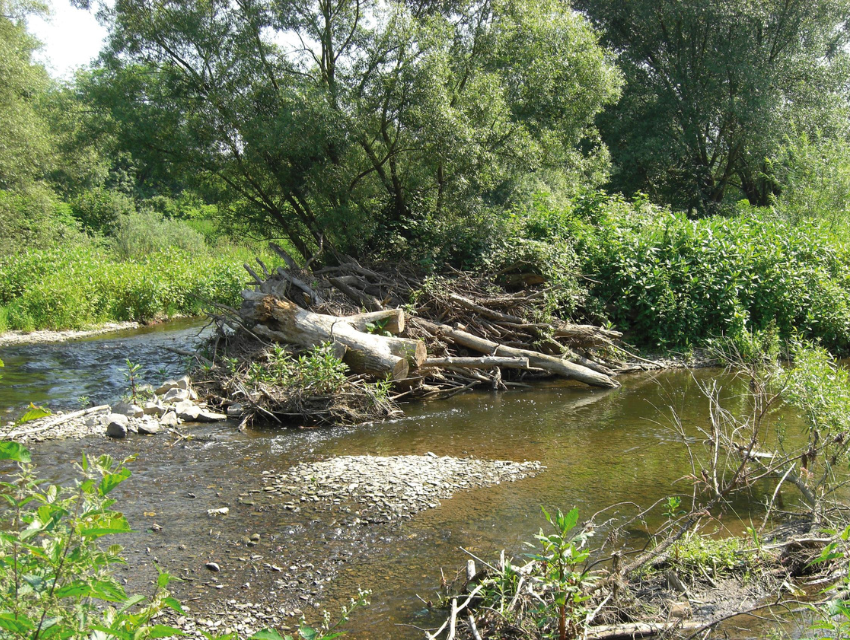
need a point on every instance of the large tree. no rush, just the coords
(712, 86)
(326, 120)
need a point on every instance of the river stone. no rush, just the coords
(154, 409)
(205, 415)
(116, 426)
(391, 488)
(187, 410)
(169, 419)
(127, 409)
(235, 410)
(176, 395)
(165, 387)
(148, 427)
(184, 383)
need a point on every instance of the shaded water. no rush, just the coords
(599, 447)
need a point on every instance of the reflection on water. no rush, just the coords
(600, 447)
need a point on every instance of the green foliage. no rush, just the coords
(78, 286)
(397, 127)
(833, 616)
(561, 555)
(696, 554)
(55, 576)
(713, 87)
(317, 372)
(820, 389)
(137, 235)
(814, 170)
(674, 282)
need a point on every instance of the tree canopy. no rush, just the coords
(333, 120)
(711, 88)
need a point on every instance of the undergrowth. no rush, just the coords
(79, 286)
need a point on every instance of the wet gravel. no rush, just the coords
(384, 489)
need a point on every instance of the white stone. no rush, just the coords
(165, 387)
(176, 395)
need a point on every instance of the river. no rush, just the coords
(600, 447)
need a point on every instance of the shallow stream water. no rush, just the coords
(599, 447)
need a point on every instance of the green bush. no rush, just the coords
(56, 577)
(674, 281)
(79, 286)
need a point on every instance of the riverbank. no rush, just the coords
(10, 338)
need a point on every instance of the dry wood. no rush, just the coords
(486, 362)
(57, 421)
(390, 320)
(640, 629)
(587, 335)
(315, 298)
(367, 353)
(537, 360)
(357, 296)
(290, 262)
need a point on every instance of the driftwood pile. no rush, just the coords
(432, 337)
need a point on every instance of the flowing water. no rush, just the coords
(600, 447)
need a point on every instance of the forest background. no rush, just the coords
(677, 168)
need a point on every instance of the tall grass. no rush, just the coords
(80, 286)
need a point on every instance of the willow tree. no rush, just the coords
(712, 86)
(329, 120)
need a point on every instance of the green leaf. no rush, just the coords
(34, 413)
(15, 624)
(14, 451)
(174, 604)
(112, 480)
(267, 634)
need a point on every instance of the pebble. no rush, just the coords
(391, 488)
(212, 566)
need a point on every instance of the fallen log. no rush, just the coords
(640, 629)
(282, 320)
(390, 320)
(486, 362)
(537, 360)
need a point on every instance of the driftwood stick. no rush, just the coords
(536, 359)
(639, 629)
(357, 296)
(470, 619)
(315, 298)
(257, 279)
(455, 610)
(290, 262)
(391, 320)
(486, 362)
(57, 421)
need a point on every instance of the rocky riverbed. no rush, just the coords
(381, 489)
(171, 404)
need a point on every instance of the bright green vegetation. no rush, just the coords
(74, 287)
(675, 281)
(56, 576)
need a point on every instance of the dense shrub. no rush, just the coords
(79, 286)
(674, 281)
